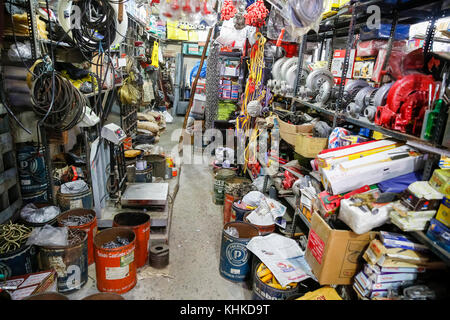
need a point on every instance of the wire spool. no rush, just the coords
(159, 256)
(61, 111)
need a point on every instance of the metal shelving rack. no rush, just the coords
(343, 24)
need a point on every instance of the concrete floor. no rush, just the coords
(195, 237)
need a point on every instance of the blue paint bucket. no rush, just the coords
(32, 173)
(70, 262)
(19, 262)
(239, 212)
(234, 256)
(38, 197)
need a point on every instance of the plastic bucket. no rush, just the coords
(234, 256)
(158, 163)
(219, 184)
(262, 291)
(68, 201)
(47, 296)
(238, 213)
(51, 222)
(90, 228)
(104, 296)
(263, 230)
(70, 262)
(139, 222)
(32, 173)
(115, 268)
(19, 262)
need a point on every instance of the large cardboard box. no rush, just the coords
(335, 255)
(289, 132)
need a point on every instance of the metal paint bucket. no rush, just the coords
(219, 184)
(115, 268)
(90, 228)
(19, 262)
(143, 175)
(104, 296)
(32, 173)
(234, 256)
(228, 213)
(238, 213)
(262, 291)
(263, 230)
(70, 262)
(47, 296)
(68, 201)
(158, 164)
(40, 196)
(139, 222)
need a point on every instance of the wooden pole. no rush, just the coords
(194, 87)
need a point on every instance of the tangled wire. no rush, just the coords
(97, 25)
(13, 236)
(63, 108)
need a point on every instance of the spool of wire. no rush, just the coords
(63, 107)
(13, 236)
(159, 256)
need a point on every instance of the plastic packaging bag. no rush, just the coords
(49, 236)
(20, 51)
(253, 198)
(259, 183)
(232, 232)
(74, 187)
(33, 214)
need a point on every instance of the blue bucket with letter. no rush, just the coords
(234, 256)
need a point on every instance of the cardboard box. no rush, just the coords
(289, 132)
(440, 180)
(32, 283)
(363, 68)
(334, 255)
(443, 214)
(338, 63)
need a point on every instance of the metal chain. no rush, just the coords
(212, 86)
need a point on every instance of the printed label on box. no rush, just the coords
(316, 245)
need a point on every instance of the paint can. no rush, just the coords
(104, 296)
(19, 262)
(158, 163)
(238, 213)
(39, 196)
(70, 262)
(47, 296)
(32, 173)
(262, 291)
(139, 222)
(234, 256)
(235, 189)
(68, 201)
(143, 175)
(115, 268)
(89, 227)
(263, 230)
(219, 184)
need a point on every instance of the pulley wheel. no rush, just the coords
(159, 256)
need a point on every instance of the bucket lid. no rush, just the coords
(225, 173)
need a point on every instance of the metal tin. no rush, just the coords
(40, 196)
(262, 291)
(143, 175)
(238, 213)
(263, 230)
(234, 256)
(70, 263)
(68, 201)
(158, 164)
(32, 175)
(219, 184)
(19, 262)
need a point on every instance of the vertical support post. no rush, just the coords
(48, 165)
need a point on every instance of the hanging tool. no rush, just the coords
(434, 114)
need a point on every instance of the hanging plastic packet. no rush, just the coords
(305, 15)
(276, 23)
(208, 13)
(170, 10)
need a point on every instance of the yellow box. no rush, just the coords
(443, 214)
(324, 293)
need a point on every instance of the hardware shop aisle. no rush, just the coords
(195, 235)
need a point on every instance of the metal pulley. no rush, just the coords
(351, 89)
(324, 93)
(377, 98)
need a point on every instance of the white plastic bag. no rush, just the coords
(253, 198)
(49, 236)
(19, 52)
(33, 214)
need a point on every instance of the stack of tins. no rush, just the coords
(32, 173)
(219, 184)
(266, 287)
(234, 256)
(139, 222)
(115, 268)
(235, 189)
(68, 201)
(90, 227)
(70, 262)
(263, 230)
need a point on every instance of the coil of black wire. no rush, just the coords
(68, 104)
(97, 25)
